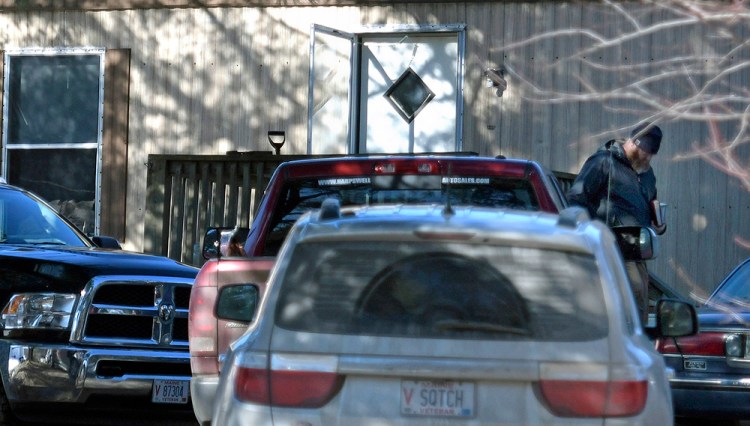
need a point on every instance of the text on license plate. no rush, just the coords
(170, 391)
(441, 398)
(698, 364)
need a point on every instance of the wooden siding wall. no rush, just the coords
(204, 81)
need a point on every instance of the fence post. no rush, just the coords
(154, 218)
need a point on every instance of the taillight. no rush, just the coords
(309, 384)
(405, 168)
(573, 390)
(703, 343)
(570, 398)
(202, 331)
(385, 169)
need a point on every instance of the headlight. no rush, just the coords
(50, 311)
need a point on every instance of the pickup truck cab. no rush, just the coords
(297, 187)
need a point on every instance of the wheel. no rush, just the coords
(6, 415)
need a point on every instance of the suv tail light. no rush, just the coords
(593, 391)
(292, 381)
(202, 331)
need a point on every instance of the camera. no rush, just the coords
(496, 79)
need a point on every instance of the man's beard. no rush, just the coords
(640, 166)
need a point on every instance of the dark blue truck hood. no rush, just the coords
(61, 268)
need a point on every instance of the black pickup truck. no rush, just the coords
(87, 327)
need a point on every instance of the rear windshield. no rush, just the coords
(417, 289)
(300, 196)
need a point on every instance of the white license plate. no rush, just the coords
(691, 364)
(170, 391)
(441, 398)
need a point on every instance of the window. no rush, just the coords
(409, 94)
(442, 290)
(52, 135)
(301, 196)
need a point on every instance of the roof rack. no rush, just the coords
(571, 217)
(330, 209)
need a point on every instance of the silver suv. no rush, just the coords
(428, 314)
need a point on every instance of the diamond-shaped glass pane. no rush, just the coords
(408, 95)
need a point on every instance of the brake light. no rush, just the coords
(703, 343)
(289, 383)
(387, 168)
(405, 168)
(202, 331)
(593, 390)
(568, 398)
(425, 168)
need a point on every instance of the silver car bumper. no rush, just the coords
(34, 372)
(203, 391)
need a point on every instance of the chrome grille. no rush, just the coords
(134, 311)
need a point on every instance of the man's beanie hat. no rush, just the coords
(647, 137)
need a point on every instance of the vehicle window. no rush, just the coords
(417, 289)
(304, 195)
(735, 290)
(24, 221)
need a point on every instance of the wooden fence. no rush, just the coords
(187, 194)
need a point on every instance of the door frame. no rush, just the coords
(355, 36)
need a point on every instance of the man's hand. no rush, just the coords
(660, 229)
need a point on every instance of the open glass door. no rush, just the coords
(329, 127)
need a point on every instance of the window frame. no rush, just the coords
(8, 56)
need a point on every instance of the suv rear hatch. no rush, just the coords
(432, 330)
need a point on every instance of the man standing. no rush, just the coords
(617, 186)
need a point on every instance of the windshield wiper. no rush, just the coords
(460, 325)
(45, 243)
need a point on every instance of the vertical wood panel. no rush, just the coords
(478, 114)
(114, 175)
(191, 233)
(177, 210)
(566, 122)
(156, 221)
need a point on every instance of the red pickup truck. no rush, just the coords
(298, 186)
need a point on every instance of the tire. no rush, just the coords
(6, 414)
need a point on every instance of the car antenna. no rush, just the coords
(448, 209)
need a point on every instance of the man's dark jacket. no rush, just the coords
(608, 175)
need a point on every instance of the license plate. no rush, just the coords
(442, 398)
(170, 391)
(695, 364)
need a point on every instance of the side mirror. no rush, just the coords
(675, 318)
(237, 302)
(224, 241)
(106, 242)
(636, 242)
